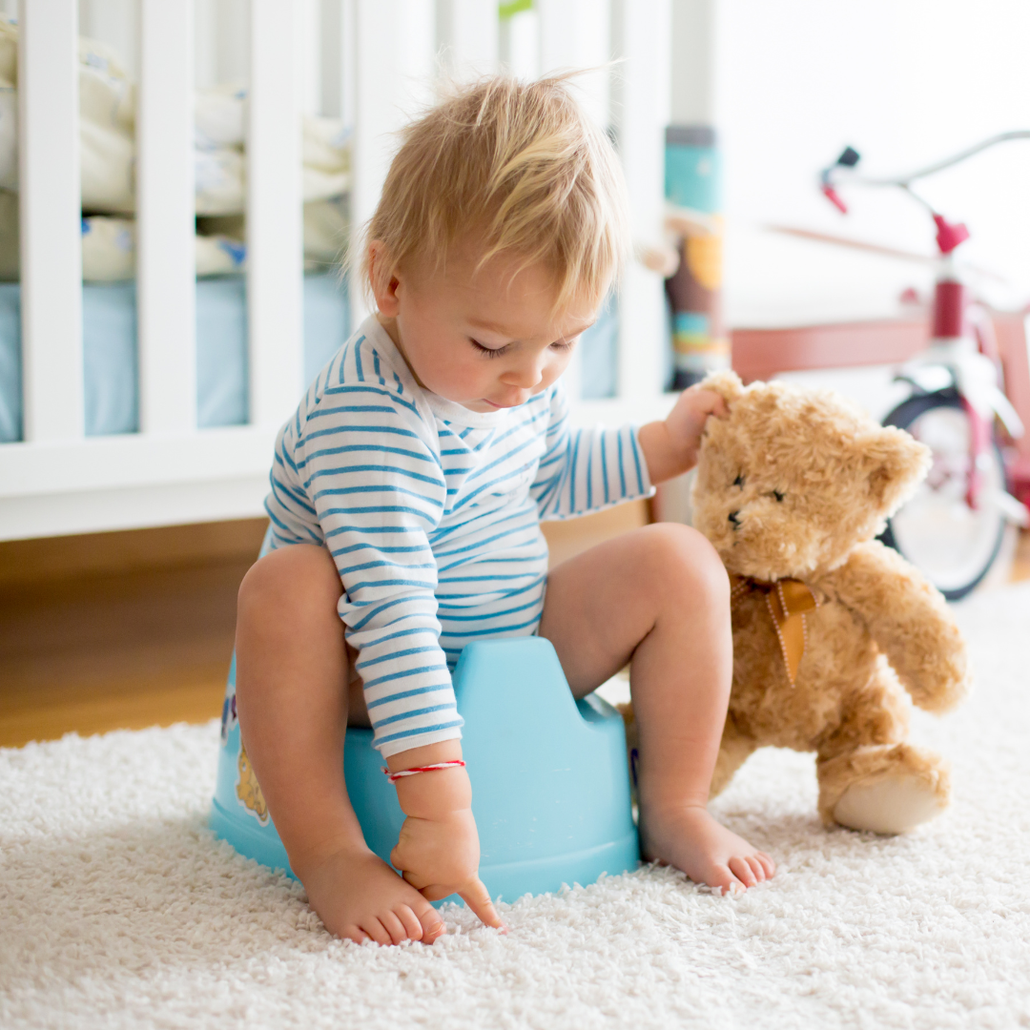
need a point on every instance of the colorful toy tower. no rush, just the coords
(692, 190)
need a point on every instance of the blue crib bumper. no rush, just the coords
(550, 787)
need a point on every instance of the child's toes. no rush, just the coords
(375, 929)
(757, 868)
(742, 870)
(432, 924)
(767, 864)
(723, 880)
(412, 927)
(393, 925)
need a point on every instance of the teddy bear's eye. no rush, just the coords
(739, 481)
(778, 494)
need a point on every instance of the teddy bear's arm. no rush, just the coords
(909, 620)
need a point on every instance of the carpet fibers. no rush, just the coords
(118, 908)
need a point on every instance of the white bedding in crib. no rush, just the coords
(109, 241)
(107, 106)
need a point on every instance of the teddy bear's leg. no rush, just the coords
(886, 788)
(869, 778)
(734, 750)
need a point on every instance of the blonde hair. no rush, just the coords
(520, 165)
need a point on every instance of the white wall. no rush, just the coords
(905, 82)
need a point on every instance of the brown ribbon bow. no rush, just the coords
(787, 601)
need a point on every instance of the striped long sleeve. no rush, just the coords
(359, 461)
(587, 469)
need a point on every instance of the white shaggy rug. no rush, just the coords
(118, 909)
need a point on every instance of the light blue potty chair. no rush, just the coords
(550, 786)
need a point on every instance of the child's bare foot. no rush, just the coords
(358, 896)
(691, 840)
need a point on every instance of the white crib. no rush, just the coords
(370, 61)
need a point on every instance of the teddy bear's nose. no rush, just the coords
(734, 519)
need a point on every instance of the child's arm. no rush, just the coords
(364, 474)
(670, 447)
(438, 849)
(586, 469)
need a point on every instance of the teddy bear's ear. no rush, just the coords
(725, 383)
(894, 464)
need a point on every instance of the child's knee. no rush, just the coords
(290, 578)
(681, 560)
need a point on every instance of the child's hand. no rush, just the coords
(670, 447)
(686, 421)
(438, 849)
(440, 856)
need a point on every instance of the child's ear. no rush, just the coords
(893, 463)
(726, 384)
(382, 277)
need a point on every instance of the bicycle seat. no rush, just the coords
(550, 786)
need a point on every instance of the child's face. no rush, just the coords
(481, 337)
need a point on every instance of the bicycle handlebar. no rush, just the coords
(949, 235)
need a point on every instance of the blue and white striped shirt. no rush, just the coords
(432, 513)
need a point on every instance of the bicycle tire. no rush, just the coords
(903, 417)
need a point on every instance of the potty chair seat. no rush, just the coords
(550, 783)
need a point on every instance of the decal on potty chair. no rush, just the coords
(229, 720)
(248, 790)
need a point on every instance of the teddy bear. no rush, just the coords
(830, 627)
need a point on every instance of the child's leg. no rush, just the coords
(292, 701)
(659, 597)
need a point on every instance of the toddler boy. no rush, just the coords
(406, 498)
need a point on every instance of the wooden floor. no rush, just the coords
(112, 645)
(118, 651)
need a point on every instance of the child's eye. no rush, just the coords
(563, 344)
(739, 481)
(490, 352)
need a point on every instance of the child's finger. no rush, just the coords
(397, 861)
(417, 882)
(435, 891)
(477, 897)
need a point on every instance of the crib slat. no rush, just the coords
(393, 53)
(50, 207)
(337, 60)
(274, 213)
(468, 35)
(577, 34)
(640, 102)
(166, 265)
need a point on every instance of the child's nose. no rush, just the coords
(525, 376)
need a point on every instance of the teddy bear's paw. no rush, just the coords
(895, 804)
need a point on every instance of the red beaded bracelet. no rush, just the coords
(393, 777)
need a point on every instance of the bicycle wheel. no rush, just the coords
(953, 545)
